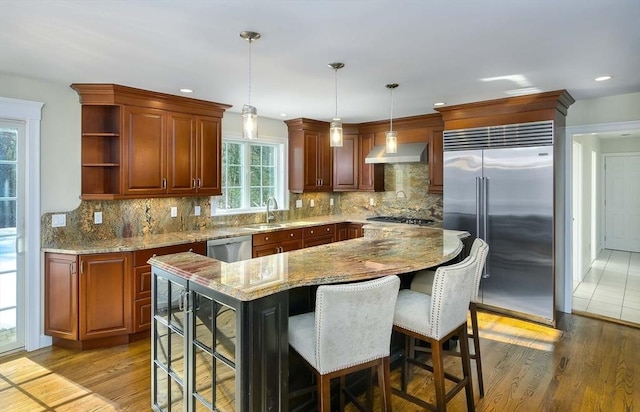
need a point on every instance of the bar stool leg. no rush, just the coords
(324, 389)
(438, 375)
(384, 383)
(476, 345)
(466, 368)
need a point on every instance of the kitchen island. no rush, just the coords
(221, 329)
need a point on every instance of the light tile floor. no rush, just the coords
(611, 287)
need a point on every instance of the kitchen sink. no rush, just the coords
(265, 226)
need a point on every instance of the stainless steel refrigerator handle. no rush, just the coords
(478, 202)
(485, 216)
(485, 206)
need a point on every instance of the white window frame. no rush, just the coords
(281, 175)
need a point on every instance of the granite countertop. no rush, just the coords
(385, 250)
(176, 238)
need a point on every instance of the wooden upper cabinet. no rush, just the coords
(310, 156)
(145, 149)
(345, 164)
(370, 176)
(436, 172)
(138, 143)
(208, 156)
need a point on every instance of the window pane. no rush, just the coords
(255, 176)
(267, 192)
(267, 176)
(255, 154)
(233, 153)
(8, 139)
(268, 155)
(8, 180)
(7, 213)
(255, 195)
(234, 176)
(235, 198)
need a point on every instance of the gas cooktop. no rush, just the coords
(402, 219)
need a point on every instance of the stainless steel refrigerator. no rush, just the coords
(498, 185)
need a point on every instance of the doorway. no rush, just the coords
(622, 201)
(12, 161)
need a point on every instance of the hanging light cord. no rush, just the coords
(391, 119)
(250, 41)
(336, 70)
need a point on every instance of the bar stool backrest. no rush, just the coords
(453, 287)
(354, 322)
(479, 249)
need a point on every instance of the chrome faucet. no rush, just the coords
(270, 214)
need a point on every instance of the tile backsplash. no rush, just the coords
(406, 194)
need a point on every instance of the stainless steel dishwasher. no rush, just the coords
(230, 249)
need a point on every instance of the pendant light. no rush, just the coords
(249, 113)
(335, 130)
(391, 145)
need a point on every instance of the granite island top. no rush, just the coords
(385, 250)
(176, 238)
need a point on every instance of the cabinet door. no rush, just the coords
(265, 250)
(181, 151)
(105, 295)
(354, 231)
(325, 162)
(345, 164)
(209, 156)
(435, 162)
(145, 151)
(61, 296)
(370, 176)
(311, 156)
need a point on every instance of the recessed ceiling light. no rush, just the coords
(283, 114)
(439, 104)
(602, 78)
(186, 90)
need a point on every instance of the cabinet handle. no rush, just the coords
(81, 267)
(72, 268)
(164, 182)
(281, 249)
(191, 249)
(193, 183)
(199, 183)
(154, 255)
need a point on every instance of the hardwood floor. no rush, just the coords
(584, 365)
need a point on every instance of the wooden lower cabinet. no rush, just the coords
(142, 279)
(346, 231)
(101, 300)
(265, 244)
(318, 235)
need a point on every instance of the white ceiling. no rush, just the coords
(437, 50)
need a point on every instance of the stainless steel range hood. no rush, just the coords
(407, 153)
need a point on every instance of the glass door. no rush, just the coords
(12, 138)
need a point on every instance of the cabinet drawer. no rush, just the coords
(142, 315)
(140, 257)
(277, 236)
(315, 231)
(317, 240)
(142, 282)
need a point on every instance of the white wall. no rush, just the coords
(620, 108)
(620, 144)
(60, 145)
(589, 202)
(60, 139)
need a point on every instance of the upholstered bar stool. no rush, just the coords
(436, 318)
(349, 331)
(423, 281)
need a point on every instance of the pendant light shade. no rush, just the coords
(391, 144)
(335, 130)
(249, 112)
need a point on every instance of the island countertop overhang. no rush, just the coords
(383, 251)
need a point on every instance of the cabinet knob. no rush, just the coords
(291, 234)
(154, 255)
(266, 238)
(328, 229)
(191, 249)
(312, 232)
